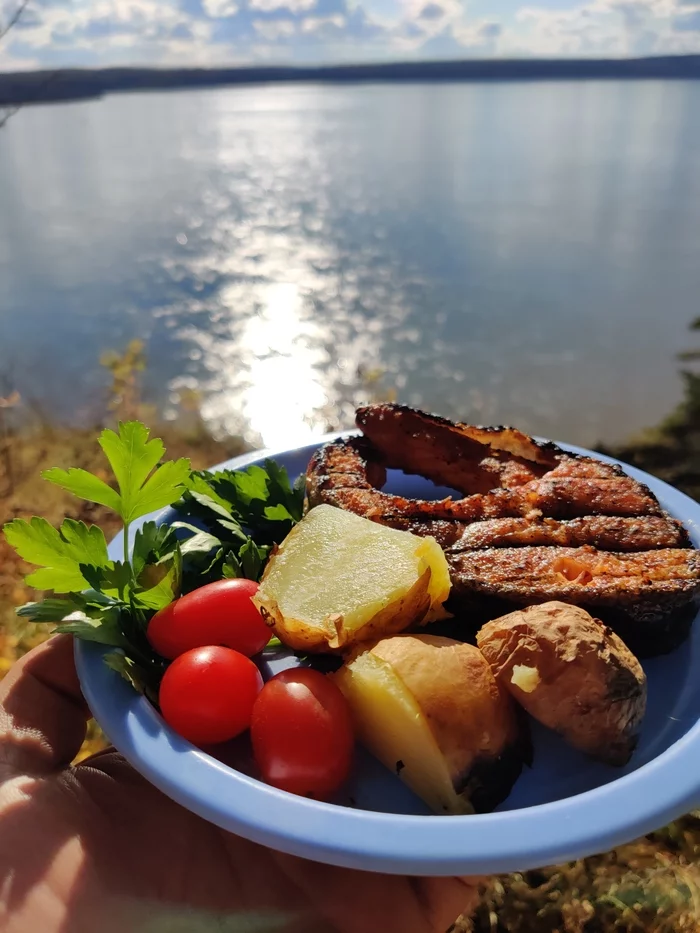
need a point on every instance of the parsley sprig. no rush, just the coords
(244, 514)
(226, 525)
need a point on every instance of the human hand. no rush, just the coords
(95, 847)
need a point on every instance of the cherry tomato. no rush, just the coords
(302, 733)
(207, 694)
(219, 613)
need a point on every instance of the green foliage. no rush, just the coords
(133, 458)
(52, 610)
(105, 630)
(132, 672)
(85, 486)
(61, 553)
(243, 514)
(240, 515)
(110, 602)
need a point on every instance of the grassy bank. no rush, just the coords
(671, 450)
(652, 885)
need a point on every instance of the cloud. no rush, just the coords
(145, 20)
(219, 8)
(608, 27)
(272, 30)
(92, 32)
(324, 25)
(270, 5)
(566, 32)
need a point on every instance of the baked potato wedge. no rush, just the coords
(430, 710)
(338, 579)
(572, 673)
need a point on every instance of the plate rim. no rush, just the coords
(408, 844)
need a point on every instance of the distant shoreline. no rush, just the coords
(33, 87)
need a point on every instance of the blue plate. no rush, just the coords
(566, 806)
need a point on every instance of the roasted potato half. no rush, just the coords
(338, 579)
(571, 673)
(430, 710)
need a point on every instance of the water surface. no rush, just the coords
(523, 253)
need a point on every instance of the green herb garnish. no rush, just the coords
(142, 487)
(227, 524)
(245, 513)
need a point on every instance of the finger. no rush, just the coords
(42, 712)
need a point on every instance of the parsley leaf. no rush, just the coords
(244, 513)
(134, 459)
(199, 544)
(114, 581)
(52, 610)
(281, 493)
(278, 513)
(258, 501)
(126, 667)
(252, 559)
(151, 543)
(143, 485)
(159, 584)
(249, 485)
(105, 630)
(61, 553)
(202, 492)
(85, 486)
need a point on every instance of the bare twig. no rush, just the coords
(14, 19)
(11, 109)
(6, 113)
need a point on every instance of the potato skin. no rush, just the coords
(473, 720)
(588, 687)
(334, 638)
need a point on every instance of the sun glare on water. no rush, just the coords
(284, 387)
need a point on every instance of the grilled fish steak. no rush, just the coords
(535, 523)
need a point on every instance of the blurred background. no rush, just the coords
(242, 265)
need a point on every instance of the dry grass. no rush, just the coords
(652, 884)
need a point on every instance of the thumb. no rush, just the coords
(42, 712)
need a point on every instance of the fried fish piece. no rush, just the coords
(524, 506)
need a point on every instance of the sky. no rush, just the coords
(53, 33)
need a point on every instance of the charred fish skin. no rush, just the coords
(535, 523)
(440, 450)
(384, 423)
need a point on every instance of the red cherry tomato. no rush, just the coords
(219, 613)
(302, 733)
(207, 694)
